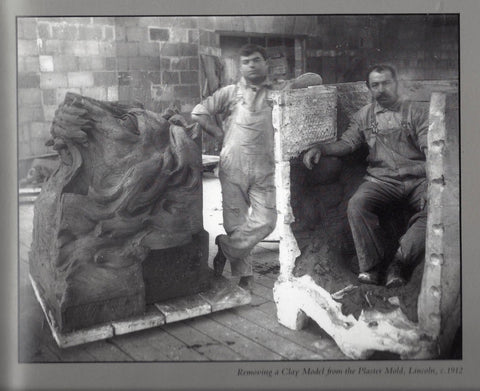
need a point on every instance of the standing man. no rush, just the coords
(395, 130)
(246, 167)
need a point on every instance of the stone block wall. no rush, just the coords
(55, 56)
(421, 47)
(154, 60)
(158, 61)
(209, 42)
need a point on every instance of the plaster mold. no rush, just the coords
(418, 330)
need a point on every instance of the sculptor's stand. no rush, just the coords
(223, 294)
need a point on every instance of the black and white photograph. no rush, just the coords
(274, 197)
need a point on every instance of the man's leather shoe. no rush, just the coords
(371, 277)
(395, 277)
(219, 260)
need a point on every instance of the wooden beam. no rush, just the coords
(223, 295)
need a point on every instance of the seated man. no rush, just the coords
(395, 131)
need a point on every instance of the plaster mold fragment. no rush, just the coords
(317, 279)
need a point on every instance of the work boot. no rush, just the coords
(219, 260)
(246, 282)
(395, 277)
(371, 276)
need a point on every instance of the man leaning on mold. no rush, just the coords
(246, 167)
(395, 130)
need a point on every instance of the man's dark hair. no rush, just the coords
(250, 48)
(381, 68)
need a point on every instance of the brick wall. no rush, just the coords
(56, 56)
(421, 47)
(158, 61)
(153, 60)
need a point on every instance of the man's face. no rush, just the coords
(253, 67)
(383, 87)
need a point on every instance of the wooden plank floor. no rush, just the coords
(247, 333)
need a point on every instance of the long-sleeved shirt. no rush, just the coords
(222, 101)
(395, 151)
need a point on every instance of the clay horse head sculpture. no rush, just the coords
(128, 183)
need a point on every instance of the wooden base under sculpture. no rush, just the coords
(222, 294)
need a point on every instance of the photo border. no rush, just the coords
(222, 375)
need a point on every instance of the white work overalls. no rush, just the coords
(246, 172)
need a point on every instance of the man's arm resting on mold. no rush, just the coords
(338, 149)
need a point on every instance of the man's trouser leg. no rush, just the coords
(412, 243)
(366, 204)
(244, 229)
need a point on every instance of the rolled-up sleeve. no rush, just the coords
(353, 136)
(420, 124)
(216, 103)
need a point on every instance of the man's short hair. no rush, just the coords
(381, 68)
(250, 48)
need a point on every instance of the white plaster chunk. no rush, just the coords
(436, 259)
(288, 248)
(438, 229)
(288, 251)
(435, 291)
(392, 332)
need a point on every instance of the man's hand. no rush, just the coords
(209, 125)
(312, 155)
